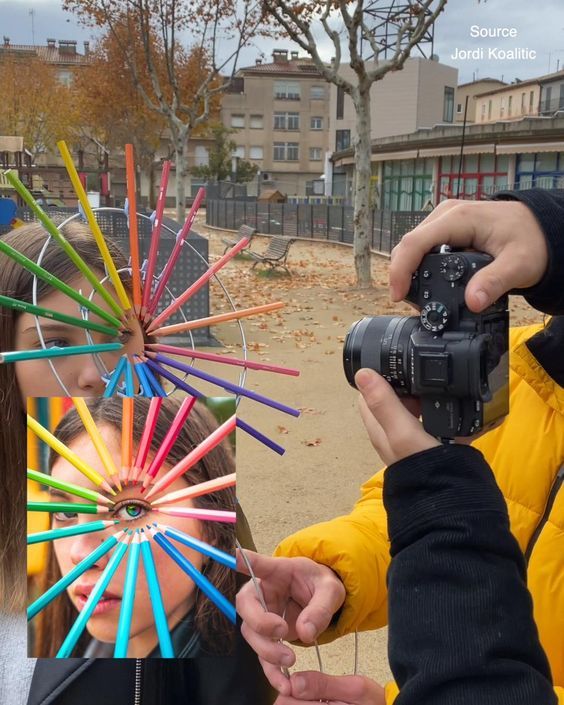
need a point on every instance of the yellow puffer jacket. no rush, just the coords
(526, 453)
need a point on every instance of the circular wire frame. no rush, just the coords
(85, 314)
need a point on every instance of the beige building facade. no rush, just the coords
(471, 91)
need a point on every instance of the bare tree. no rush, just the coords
(183, 84)
(302, 19)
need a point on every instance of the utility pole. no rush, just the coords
(32, 15)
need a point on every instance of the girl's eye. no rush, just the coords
(64, 516)
(130, 511)
(56, 343)
(125, 336)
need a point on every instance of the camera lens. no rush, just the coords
(381, 343)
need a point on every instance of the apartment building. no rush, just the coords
(63, 54)
(281, 113)
(471, 90)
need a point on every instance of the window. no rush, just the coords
(317, 92)
(342, 140)
(293, 121)
(286, 151)
(547, 98)
(292, 151)
(255, 122)
(509, 105)
(523, 103)
(286, 121)
(279, 154)
(201, 156)
(287, 90)
(489, 109)
(561, 98)
(65, 77)
(483, 111)
(315, 154)
(531, 101)
(255, 153)
(279, 121)
(316, 123)
(502, 108)
(239, 151)
(237, 121)
(448, 105)
(340, 102)
(459, 108)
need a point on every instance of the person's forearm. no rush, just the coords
(548, 208)
(460, 615)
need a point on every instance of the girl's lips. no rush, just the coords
(104, 605)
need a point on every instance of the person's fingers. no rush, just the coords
(328, 595)
(491, 282)
(252, 612)
(356, 690)
(276, 678)
(263, 566)
(273, 652)
(375, 432)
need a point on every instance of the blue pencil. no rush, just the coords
(181, 384)
(19, 355)
(71, 576)
(165, 642)
(80, 623)
(205, 548)
(55, 534)
(115, 377)
(153, 381)
(209, 590)
(129, 386)
(143, 381)
(128, 599)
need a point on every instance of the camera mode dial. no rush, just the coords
(434, 316)
(452, 268)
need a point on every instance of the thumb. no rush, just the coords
(261, 566)
(493, 281)
(356, 690)
(383, 402)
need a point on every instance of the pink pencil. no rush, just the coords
(146, 438)
(175, 254)
(192, 458)
(205, 514)
(197, 285)
(126, 438)
(212, 357)
(133, 232)
(170, 438)
(202, 488)
(155, 239)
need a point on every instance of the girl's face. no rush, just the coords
(178, 591)
(79, 373)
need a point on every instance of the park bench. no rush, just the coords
(275, 254)
(243, 232)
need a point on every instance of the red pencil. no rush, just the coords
(126, 438)
(147, 437)
(133, 233)
(195, 456)
(155, 239)
(170, 438)
(175, 254)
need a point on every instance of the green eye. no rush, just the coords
(133, 510)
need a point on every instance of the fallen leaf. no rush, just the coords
(314, 442)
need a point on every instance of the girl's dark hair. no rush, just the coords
(215, 630)
(15, 281)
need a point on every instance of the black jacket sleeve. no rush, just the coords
(548, 208)
(461, 630)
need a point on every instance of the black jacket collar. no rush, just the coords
(548, 348)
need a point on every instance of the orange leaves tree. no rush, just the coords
(33, 103)
(348, 27)
(180, 55)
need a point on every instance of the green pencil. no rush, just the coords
(76, 490)
(74, 507)
(19, 355)
(55, 534)
(26, 307)
(57, 283)
(71, 253)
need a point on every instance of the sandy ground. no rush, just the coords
(328, 455)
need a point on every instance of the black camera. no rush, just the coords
(456, 361)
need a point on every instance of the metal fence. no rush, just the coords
(188, 269)
(319, 222)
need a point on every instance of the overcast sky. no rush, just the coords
(538, 30)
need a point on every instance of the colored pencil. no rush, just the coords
(130, 177)
(65, 245)
(161, 623)
(22, 355)
(55, 534)
(69, 487)
(102, 583)
(113, 382)
(175, 254)
(224, 384)
(155, 238)
(128, 598)
(129, 383)
(179, 383)
(213, 357)
(144, 386)
(213, 440)
(96, 437)
(155, 384)
(57, 283)
(202, 488)
(68, 454)
(73, 574)
(128, 411)
(26, 307)
(94, 227)
(219, 318)
(201, 514)
(201, 546)
(147, 437)
(197, 285)
(71, 507)
(209, 590)
(170, 438)
(244, 426)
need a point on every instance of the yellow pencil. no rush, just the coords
(67, 454)
(99, 444)
(91, 218)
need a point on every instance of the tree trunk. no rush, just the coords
(181, 160)
(363, 169)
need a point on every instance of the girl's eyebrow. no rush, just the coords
(50, 327)
(53, 492)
